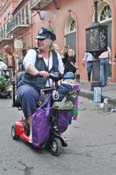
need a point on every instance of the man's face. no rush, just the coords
(43, 44)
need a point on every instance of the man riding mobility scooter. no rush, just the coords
(52, 116)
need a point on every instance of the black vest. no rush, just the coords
(39, 82)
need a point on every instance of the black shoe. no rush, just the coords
(65, 144)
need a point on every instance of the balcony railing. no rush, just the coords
(19, 27)
(14, 25)
(5, 39)
(40, 4)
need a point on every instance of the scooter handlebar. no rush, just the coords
(55, 76)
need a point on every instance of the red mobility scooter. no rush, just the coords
(47, 134)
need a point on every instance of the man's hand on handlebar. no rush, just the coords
(55, 76)
(44, 73)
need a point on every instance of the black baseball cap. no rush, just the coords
(46, 33)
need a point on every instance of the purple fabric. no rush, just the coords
(40, 123)
(75, 87)
(64, 119)
(41, 127)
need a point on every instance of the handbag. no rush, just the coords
(41, 123)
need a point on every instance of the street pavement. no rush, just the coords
(108, 91)
(91, 145)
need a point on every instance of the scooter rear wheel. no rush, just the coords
(55, 146)
(13, 132)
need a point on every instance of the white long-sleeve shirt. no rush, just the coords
(30, 59)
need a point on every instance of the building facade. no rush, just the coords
(21, 20)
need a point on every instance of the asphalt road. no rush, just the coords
(91, 145)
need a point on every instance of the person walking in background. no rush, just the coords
(69, 60)
(11, 61)
(104, 61)
(65, 55)
(20, 67)
(88, 59)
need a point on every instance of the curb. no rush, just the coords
(89, 95)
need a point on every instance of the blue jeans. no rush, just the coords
(104, 71)
(89, 70)
(10, 74)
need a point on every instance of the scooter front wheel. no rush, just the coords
(55, 146)
(13, 132)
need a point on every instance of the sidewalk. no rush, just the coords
(108, 91)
